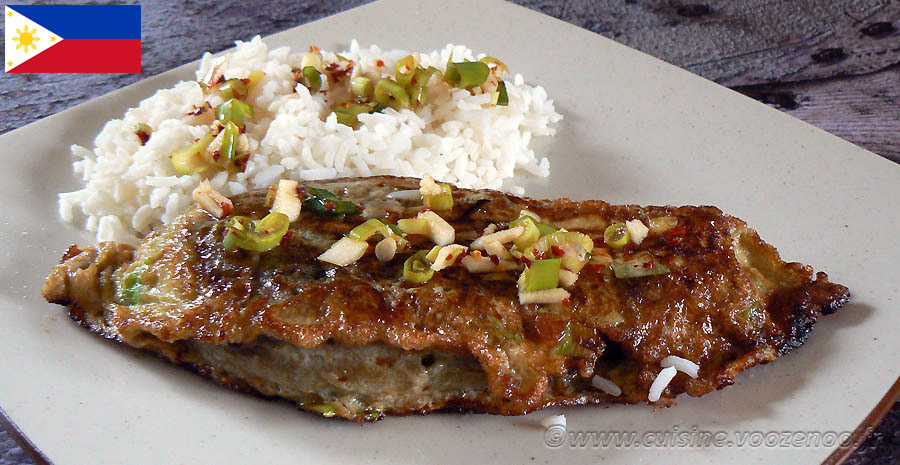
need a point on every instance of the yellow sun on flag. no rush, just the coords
(26, 39)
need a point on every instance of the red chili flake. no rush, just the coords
(227, 208)
(143, 136)
(535, 252)
(598, 242)
(329, 205)
(557, 250)
(459, 257)
(627, 254)
(216, 155)
(495, 259)
(246, 80)
(426, 209)
(566, 301)
(676, 232)
(543, 256)
(380, 63)
(594, 267)
(527, 262)
(345, 105)
(647, 265)
(286, 238)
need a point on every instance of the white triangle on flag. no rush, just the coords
(25, 38)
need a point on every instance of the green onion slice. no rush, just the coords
(442, 201)
(530, 236)
(503, 98)
(391, 94)
(639, 268)
(233, 88)
(366, 230)
(256, 236)
(311, 78)
(541, 275)
(235, 111)
(190, 159)
(466, 74)
(416, 269)
(405, 70)
(616, 235)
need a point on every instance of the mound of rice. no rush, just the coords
(130, 188)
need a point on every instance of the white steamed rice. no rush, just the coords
(129, 188)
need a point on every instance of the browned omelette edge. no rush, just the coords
(799, 310)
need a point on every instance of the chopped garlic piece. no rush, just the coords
(427, 186)
(496, 248)
(637, 230)
(445, 254)
(385, 249)
(489, 229)
(504, 236)
(440, 231)
(567, 278)
(547, 296)
(344, 252)
(215, 71)
(287, 200)
(211, 200)
(481, 264)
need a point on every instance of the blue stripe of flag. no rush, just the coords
(86, 21)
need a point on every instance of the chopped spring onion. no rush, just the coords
(367, 230)
(531, 233)
(541, 275)
(440, 231)
(503, 97)
(419, 89)
(234, 110)
(256, 236)
(132, 287)
(323, 201)
(446, 256)
(347, 112)
(466, 74)
(442, 201)
(230, 135)
(416, 269)
(389, 93)
(362, 87)
(286, 199)
(575, 246)
(639, 268)
(386, 249)
(233, 88)
(616, 235)
(547, 296)
(405, 70)
(255, 78)
(312, 58)
(545, 229)
(344, 252)
(751, 310)
(637, 231)
(190, 160)
(311, 78)
(413, 226)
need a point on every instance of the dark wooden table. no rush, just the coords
(832, 63)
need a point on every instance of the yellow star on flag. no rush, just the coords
(53, 39)
(9, 14)
(9, 63)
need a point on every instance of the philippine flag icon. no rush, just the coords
(73, 38)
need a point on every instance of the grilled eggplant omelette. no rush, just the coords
(370, 339)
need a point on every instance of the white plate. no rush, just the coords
(636, 130)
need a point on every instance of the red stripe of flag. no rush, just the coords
(86, 56)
